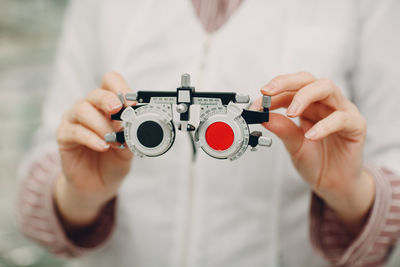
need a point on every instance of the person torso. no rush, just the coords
(173, 211)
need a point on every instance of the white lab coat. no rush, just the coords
(252, 211)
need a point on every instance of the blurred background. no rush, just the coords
(29, 30)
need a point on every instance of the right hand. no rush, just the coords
(92, 169)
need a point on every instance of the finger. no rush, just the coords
(316, 112)
(287, 82)
(70, 134)
(291, 135)
(104, 100)
(256, 105)
(88, 116)
(323, 91)
(282, 100)
(114, 82)
(306, 124)
(124, 153)
(339, 121)
(278, 101)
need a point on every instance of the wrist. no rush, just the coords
(76, 209)
(353, 204)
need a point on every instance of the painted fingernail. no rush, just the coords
(292, 109)
(312, 133)
(103, 144)
(114, 104)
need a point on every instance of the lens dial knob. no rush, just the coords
(149, 130)
(223, 133)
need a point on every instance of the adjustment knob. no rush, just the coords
(131, 96)
(181, 108)
(264, 141)
(242, 99)
(266, 101)
(110, 137)
(185, 80)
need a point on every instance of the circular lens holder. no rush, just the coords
(221, 129)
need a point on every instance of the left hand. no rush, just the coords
(326, 147)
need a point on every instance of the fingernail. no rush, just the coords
(270, 88)
(103, 144)
(312, 133)
(114, 104)
(292, 109)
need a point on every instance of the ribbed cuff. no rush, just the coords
(373, 244)
(39, 219)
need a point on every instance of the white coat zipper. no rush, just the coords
(189, 217)
(187, 235)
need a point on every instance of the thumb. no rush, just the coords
(123, 154)
(291, 135)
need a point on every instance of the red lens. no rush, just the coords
(219, 136)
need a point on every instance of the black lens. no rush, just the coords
(150, 134)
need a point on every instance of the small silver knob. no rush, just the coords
(242, 98)
(264, 141)
(121, 98)
(131, 96)
(185, 80)
(110, 137)
(266, 101)
(181, 108)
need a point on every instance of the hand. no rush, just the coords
(92, 169)
(327, 146)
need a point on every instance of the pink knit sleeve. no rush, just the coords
(372, 246)
(39, 218)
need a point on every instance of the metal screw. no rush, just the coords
(181, 108)
(131, 96)
(242, 98)
(185, 80)
(110, 137)
(121, 98)
(265, 141)
(266, 101)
